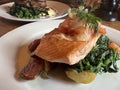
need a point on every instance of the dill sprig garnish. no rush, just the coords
(86, 14)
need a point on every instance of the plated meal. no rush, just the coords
(12, 43)
(78, 45)
(33, 10)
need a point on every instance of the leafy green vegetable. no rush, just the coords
(22, 11)
(100, 59)
(44, 73)
(83, 13)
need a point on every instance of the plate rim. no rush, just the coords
(28, 24)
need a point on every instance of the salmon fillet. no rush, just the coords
(56, 47)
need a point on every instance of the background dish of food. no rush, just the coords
(60, 9)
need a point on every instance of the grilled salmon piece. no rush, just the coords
(56, 47)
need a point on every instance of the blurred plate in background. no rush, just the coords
(60, 9)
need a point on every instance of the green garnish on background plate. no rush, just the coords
(22, 11)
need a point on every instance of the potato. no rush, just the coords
(84, 77)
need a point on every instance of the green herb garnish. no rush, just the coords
(86, 14)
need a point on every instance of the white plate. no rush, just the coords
(61, 10)
(10, 43)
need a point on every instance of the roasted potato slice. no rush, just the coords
(84, 77)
